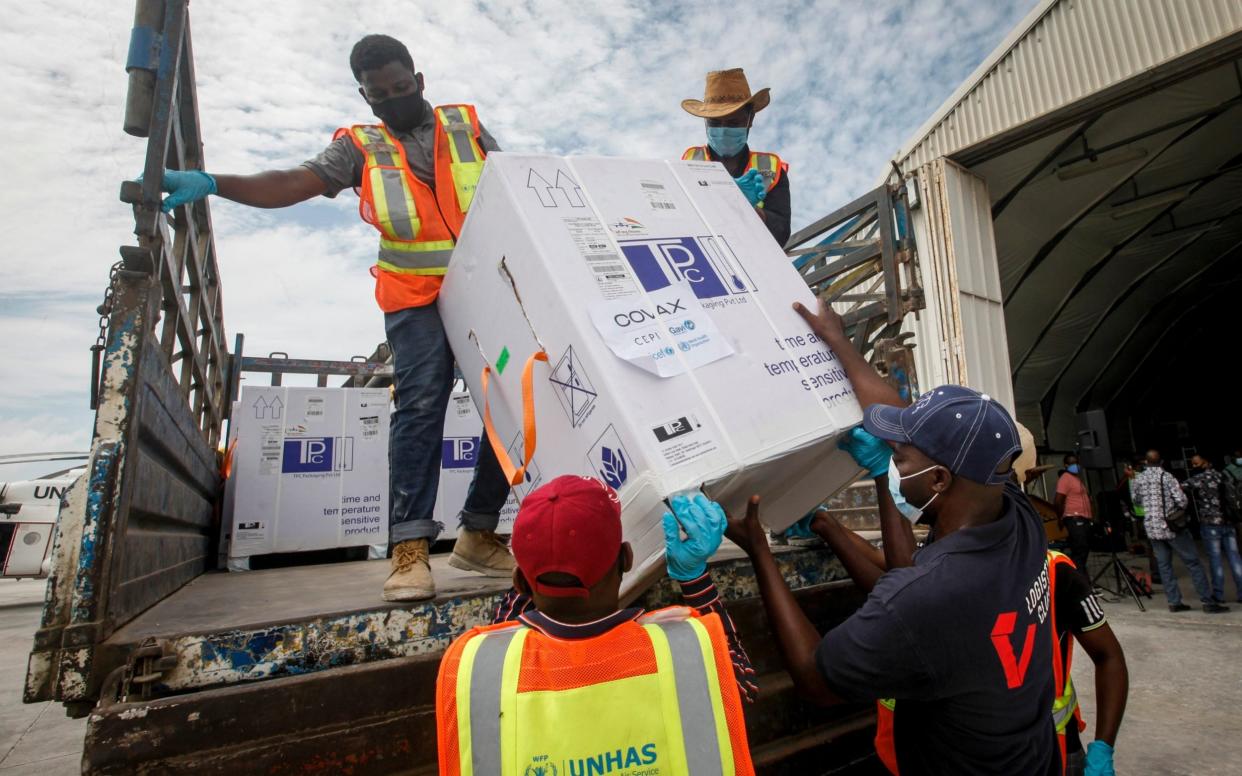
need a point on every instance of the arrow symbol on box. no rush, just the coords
(542, 188)
(573, 194)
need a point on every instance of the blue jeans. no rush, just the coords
(423, 379)
(1184, 546)
(1222, 540)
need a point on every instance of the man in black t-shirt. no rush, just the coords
(1077, 616)
(962, 639)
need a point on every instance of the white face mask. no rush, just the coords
(908, 510)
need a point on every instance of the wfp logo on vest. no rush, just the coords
(706, 263)
(459, 452)
(607, 762)
(315, 455)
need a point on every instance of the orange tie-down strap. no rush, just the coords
(514, 474)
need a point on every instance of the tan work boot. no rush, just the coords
(482, 551)
(410, 579)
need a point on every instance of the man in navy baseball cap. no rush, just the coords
(953, 451)
(955, 649)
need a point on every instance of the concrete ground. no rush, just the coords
(1185, 685)
(1185, 689)
(37, 739)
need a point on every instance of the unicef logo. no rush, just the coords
(668, 351)
(689, 325)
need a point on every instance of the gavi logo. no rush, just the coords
(706, 263)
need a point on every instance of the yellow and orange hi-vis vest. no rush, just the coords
(418, 227)
(1065, 703)
(657, 692)
(767, 164)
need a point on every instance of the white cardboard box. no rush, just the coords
(462, 435)
(675, 359)
(310, 470)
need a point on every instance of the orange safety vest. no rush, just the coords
(1065, 702)
(656, 693)
(418, 226)
(767, 164)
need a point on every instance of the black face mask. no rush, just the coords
(401, 113)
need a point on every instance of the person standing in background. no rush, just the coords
(1159, 494)
(1219, 537)
(728, 110)
(1073, 505)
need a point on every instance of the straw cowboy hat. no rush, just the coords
(726, 92)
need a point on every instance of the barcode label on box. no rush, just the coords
(609, 270)
(270, 447)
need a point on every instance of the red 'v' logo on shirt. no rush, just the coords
(1015, 670)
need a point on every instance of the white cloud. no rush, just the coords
(849, 82)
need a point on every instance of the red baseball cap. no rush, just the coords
(572, 525)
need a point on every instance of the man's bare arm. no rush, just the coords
(271, 189)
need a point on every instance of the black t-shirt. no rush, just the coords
(962, 640)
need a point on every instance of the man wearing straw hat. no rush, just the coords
(728, 109)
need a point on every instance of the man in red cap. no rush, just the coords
(579, 685)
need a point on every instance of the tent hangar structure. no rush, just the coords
(1101, 146)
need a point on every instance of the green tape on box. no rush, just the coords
(502, 361)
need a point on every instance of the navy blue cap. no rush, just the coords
(965, 431)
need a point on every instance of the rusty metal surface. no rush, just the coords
(234, 641)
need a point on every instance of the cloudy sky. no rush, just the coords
(851, 80)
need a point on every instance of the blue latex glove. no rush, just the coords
(704, 523)
(1099, 759)
(800, 529)
(870, 452)
(753, 186)
(185, 186)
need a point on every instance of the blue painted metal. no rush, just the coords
(800, 261)
(220, 659)
(144, 49)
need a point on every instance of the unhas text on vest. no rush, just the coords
(630, 761)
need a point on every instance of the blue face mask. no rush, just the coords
(908, 510)
(727, 141)
(1072, 468)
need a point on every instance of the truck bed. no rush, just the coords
(258, 599)
(304, 669)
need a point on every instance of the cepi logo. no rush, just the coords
(706, 263)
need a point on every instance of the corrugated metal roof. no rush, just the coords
(1063, 52)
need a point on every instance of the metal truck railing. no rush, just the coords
(138, 526)
(862, 259)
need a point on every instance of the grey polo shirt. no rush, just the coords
(340, 164)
